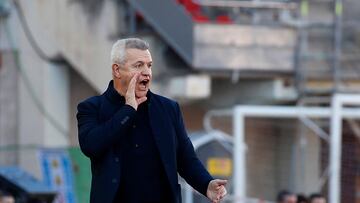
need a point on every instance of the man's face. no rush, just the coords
(7, 199)
(290, 199)
(318, 200)
(137, 61)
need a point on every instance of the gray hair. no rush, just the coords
(118, 51)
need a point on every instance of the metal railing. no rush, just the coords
(248, 4)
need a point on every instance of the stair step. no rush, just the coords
(317, 55)
(314, 99)
(316, 91)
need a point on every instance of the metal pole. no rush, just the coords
(302, 141)
(214, 113)
(188, 194)
(239, 155)
(301, 47)
(335, 150)
(338, 8)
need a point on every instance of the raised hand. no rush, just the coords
(130, 96)
(216, 190)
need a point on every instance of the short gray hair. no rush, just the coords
(118, 51)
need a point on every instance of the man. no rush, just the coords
(286, 197)
(301, 198)
(317, 198)
(136, 140)
(6, 197)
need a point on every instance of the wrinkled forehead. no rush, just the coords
(135, 55)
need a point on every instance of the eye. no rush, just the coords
(138, 65)
(150, 65)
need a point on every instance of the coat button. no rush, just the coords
(123, 121)
(116, 159)
(114, 180)
(136, 145)
(134, 126)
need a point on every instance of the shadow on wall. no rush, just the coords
(92, 8)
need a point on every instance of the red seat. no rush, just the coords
(191, 6)
(224, 19)
(200, 18)
(195, 11)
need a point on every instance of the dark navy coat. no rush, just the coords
(102, 123)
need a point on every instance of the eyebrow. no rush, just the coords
(142, 62)
(137, 62)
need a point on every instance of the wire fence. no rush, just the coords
(286, 154)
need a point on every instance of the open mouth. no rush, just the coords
(144, 83)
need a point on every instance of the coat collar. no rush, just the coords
(113, 95)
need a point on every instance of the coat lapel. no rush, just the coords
(161, 129)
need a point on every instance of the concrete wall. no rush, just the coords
(261, 156)
(43, 115)
(8, 108)
(308, 169)
(56, 100)
(69, 29)
(79, 90)
(42, 93)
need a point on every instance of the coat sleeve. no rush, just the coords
(189, 166)
(95, 137)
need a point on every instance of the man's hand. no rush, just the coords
(130, 97)
(216, 190)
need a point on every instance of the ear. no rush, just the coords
(116, 70)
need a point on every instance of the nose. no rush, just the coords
(146, 72)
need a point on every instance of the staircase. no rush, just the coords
(219, 46)
(327, 58)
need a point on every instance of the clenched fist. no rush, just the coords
(216, 190)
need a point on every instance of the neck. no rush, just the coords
(119, 88)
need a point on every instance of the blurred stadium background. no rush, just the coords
(217, 58)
